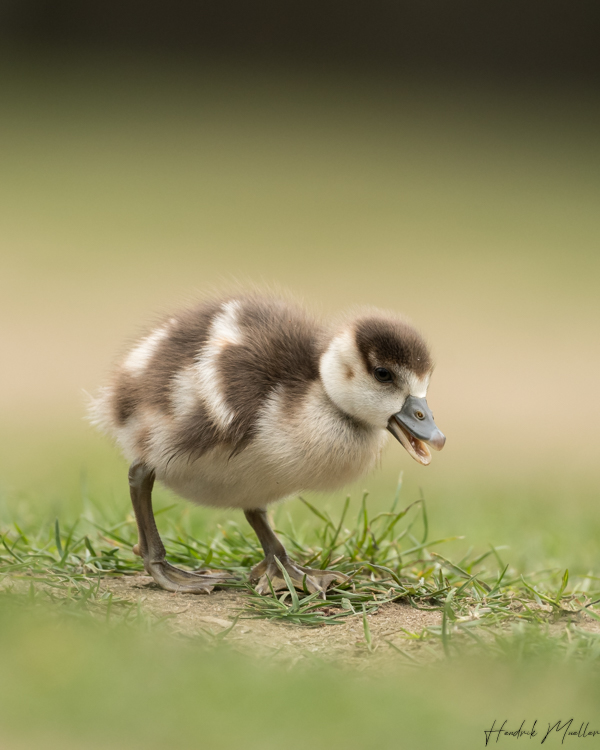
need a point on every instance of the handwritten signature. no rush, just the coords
(565, 728)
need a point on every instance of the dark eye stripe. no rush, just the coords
(382, 374)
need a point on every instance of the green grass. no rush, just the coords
(387, 556)
(81, 668)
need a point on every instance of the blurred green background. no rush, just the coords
(133, 182)
(129, 189)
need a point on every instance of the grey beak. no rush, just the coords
(417, 419)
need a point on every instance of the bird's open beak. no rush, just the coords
(413, 426)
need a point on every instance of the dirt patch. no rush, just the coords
(396, 625)
(192, 615)
(343, 642)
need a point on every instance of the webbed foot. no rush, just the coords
(170, 578)
(309, 579)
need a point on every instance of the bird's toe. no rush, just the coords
(270, 577)
(174, 579)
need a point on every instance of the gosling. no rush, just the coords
(246, 400)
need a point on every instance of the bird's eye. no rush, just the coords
(383, 375)
(419, 415)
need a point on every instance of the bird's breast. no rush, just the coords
(296, 446)
(313, 442)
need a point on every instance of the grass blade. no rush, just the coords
(290, 585)
(59, 546)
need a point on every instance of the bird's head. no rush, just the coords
(377, 370)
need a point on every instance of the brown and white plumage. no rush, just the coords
(246, 400)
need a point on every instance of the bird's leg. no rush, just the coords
(150, 547)
(312, 579)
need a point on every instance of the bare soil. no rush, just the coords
(343, 642)
(192, 614)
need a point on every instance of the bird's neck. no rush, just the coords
(333, 408)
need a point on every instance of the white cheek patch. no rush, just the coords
(224, 332)
(138, 358)
(350, 387)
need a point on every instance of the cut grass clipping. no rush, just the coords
(388, 558)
